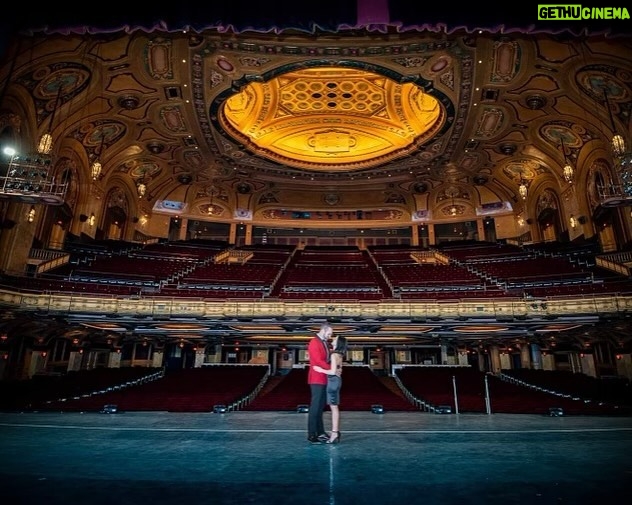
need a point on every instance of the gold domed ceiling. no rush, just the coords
(332, 118)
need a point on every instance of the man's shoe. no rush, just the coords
(315, 440)
(323, 437)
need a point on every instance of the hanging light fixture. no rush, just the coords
(141, 188)
(453, 209)
(522, 189)
(617, 192)
(96, 166)
(45, 143)
(617, 143)
(568, 171)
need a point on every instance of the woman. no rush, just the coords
(334, 383)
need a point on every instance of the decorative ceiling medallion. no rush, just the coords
(332, 199)
(332, 118)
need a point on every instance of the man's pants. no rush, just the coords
(315, 424)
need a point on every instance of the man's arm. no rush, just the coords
(317, 354)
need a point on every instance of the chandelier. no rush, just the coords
(141, 188)
(522, 189)
(96, 166)
(568, 171)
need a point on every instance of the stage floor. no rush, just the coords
(263, 457)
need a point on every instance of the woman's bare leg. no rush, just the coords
(335, 421)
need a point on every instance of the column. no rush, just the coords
(431, 234)
(536, 356)
(232, 234)
(415, 235)
(525, 356)
(248, 236)
(182, 232)
(494, 359)
(480, 229)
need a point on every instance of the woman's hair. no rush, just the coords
(341, 345)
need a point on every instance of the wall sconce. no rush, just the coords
(30, 216)
(91, 219)
(572, 221)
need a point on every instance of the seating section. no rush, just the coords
(614, 391)
(360, 390)
(209, 269)
(243, 387)
(42, 391)
(331, 272)
(189, 390)
(244, 272)
(472, 390)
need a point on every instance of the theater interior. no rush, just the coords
(210, 187)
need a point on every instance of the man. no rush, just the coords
(318, 349)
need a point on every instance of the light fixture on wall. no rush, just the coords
(91, 220)
(568, 171)
(572, 221)
(30, 216)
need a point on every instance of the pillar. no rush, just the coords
(494, 359)
(414, 235)
(525, 356)
(232, 234)
(480, 229)
(432, 240)
(536, 356)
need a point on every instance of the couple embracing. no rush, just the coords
(324, 379)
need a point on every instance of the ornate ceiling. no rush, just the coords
(393, 120)
(352, 120)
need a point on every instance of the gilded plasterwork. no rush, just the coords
(330, 118)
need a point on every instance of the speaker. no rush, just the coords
(377, 409)
(109, 409)
(556, 412)
(443, 409)
(219, 409)
(302, 409)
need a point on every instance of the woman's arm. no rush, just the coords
(333, 368)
